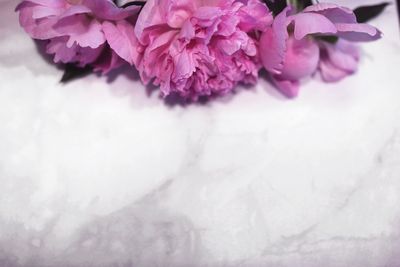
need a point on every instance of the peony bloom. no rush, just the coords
(200, 47)
(80, 31)
(294, 46)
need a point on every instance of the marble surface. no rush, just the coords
(100, 172)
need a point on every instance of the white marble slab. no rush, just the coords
(102, 174)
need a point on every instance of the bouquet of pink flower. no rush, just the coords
(204, 48)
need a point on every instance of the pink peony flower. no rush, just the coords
(292, 48)
(200, 47)
(81, 31)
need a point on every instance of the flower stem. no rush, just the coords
(293, 3)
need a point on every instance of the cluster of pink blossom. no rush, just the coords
(197, 48)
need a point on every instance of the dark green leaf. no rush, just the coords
(329, 38)
(306, 3)
(366, 13)
(276, 6)
(134, 3)
(72, 72)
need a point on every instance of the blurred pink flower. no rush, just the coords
(200, 47)
(81, 31)
(338, 60)
(298, 54)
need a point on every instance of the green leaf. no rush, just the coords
(306, 3)
(276, 6)
(134, 3)
(366, 13)
(330, 39)
(73, 72)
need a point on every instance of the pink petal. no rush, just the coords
(82, 30)
(178, 11)
(164, 40)
(344, 55)
(255, 16)
(227, 26)
(45, 11)
(121, 38)
(184, 66)
(53, 4)
(61, 52)
(333, 12)
(338, 60)
(345, 22)
(312, 23)
(233, 44)
(358, 32)
(73, 54)
(38, 29)
(273, 43)
(151, 15)
(289, 88)
(330, 73)
(74, 10)
(301, 59)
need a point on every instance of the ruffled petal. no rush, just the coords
(255, 16)
(81, 30)
(73, 54)
(178, 11)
